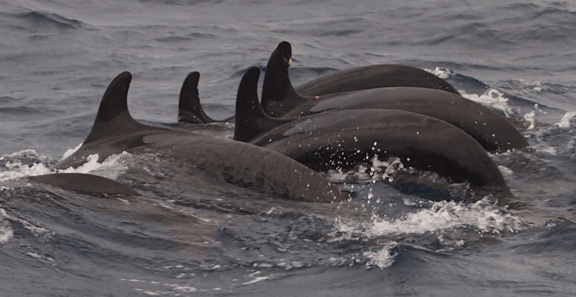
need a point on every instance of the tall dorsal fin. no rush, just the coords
(113, 115)
(251, 120)
(278, 94)
(189, 108)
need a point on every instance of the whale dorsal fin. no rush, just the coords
(113, 116)
(251, 120)
(278, 94)
(189, 108)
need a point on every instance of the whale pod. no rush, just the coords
(280, 99)
(241, 164)
(342, 139)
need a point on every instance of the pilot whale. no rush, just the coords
(280, 99)
(341, 139)
(365, 77)
(371, 77)
(225, 160)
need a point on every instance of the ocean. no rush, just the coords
(187, 237)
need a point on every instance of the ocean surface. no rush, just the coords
(181, 238)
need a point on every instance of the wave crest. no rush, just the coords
(50, 20)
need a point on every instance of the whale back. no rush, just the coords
(221, 160)
(84, 183)
(371, 77)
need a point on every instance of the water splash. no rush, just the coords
(6, 232)
(382, 258)
(549, 140)
(23, 163)
(448, 223)
(530, 118)
(111, 167)
(32, 228)
(493, 98)
(483, 216)
(567, 120)
(442, 72)
(26, 163)
(375, 170)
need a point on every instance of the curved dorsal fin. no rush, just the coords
(113, 115)
(278, 94)
(251, 120)
(189, 108)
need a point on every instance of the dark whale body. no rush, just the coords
(85, 183)
(495, 133)
(237, 163)
(372, 77)
(341, 139)
(359, 78)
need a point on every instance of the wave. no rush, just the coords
(441, 227)
(43, 19)
(179, 2)
(503, 26)
(557, 235)
(18, 112)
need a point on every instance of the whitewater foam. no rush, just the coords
(111, 167)
(382, 258)
(26, 163)
(374, 171)
(567, 120)
(23, 163)
(493, 98)
(483, 216)
(530, 118)
(441, 72)
(442, 219)
(6, 232)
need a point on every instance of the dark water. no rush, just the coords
(186, 238)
